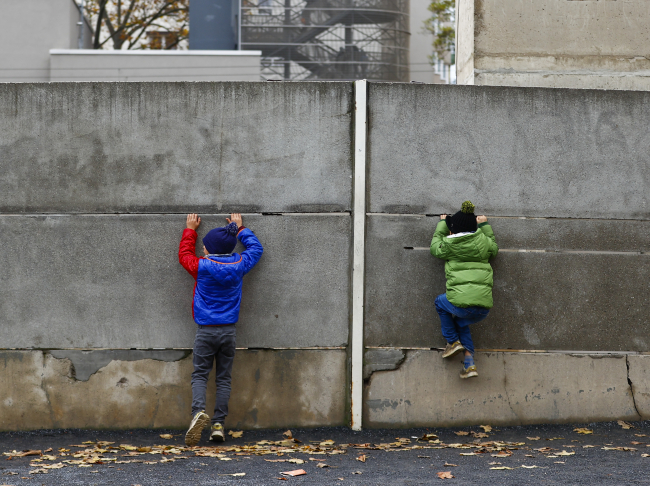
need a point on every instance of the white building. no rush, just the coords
(40, 40)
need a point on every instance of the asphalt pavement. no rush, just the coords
(597, 453)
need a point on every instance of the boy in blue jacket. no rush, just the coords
(215, 308)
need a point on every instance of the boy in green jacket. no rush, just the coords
(466, 243)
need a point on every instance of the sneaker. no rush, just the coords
(469, 372)
(216, 433)
(452, 349)
(199, 422)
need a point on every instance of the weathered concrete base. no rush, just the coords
(512, 389)
(270, 389)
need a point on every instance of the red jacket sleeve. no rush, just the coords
(187, 252)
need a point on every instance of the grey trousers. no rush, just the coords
(213, 343)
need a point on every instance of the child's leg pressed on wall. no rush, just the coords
(447, 324)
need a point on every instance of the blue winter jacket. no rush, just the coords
(218, 289)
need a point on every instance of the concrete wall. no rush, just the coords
(29, 29)
(99, 65)
(96, 179)
(554, 43)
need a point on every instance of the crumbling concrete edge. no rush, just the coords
(629, 381)
(85, 363)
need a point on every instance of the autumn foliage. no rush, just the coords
(138, 24)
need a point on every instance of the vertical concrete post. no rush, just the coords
(358, 258)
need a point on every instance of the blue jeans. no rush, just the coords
(455, 321)
(213, 343)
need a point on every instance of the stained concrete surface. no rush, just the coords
(175, 147)
(512, 151)
(554, 300)
(114, 281)
(593, 464)
(270, 389)
(512, 388)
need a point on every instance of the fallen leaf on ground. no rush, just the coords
(428, 437)
(296, 461)
(234, 474)
(529, 455)
(144, 449)
(297, 472)
(528, 467)
(445, 475)
(560, 462)
(362, 458)
(583, 431)
(236, 434)
(282, 479)
(486, 428)
(468, 454)
(532, 438)
(446, 464)
(314, 459)
(502, 454)
(327, 443)
(357, 472)
(479, 435)
(564, 453)
(288, 434)
(501, 468)
(461, 432)
(640, 435)
(275, 460)
(27, 453)
(587, 446)
(166, 436)
(424, 457)
(645, 455)
(634, 442)
(625, 425)
(322, 464)
(48, 450)
(556, 438)
(494, 463)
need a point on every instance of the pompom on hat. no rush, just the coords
(221, 241)
(464, 221)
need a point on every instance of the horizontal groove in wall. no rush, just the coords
(575, 252)
(61, 215)
(559, 218)
(315, 348)
(537, 351)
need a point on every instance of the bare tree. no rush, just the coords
(139, 24)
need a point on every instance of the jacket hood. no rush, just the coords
(226, 273)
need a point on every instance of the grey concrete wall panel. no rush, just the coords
(269, 389)
(512, 389)
(512, 151)
(552, 301)
(114, 281)
(175, 147)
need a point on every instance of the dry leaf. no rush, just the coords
(424, 457)
(494, 463)
(468, 454)
(564, 453)
(450, 465)
(583, 431)
(322, 464)
(587, 446)
(236, 434)
(528, 467)
(357, 472)
(327, 443)
(461, 432)
(297, 472)
(445, 475)
(529, 455)
(234, 474)
(428, 437)
(634, 442)
(501, 468)
(166, 436)
(640, 435)
(144, 449)
(532, 438)
(362, 458)
(645, 455)
(479, 435)
(314, 459)
(486, 428)
(27, 453)
(288, 434)
(625, 425)
(296, 461)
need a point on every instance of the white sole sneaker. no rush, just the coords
(469, 372)
(199, 422)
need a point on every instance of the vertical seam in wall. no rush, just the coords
(358, 259)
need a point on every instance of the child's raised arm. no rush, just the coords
(485, 227)
(438, 246)
(253, 252)
(187, 248)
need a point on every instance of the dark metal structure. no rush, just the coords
(328, 39)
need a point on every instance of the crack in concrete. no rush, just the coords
(629, 381)
(505, 386)
(87, 363)
(381, 360)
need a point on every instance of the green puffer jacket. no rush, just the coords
(469, 275)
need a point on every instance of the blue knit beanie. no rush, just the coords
(220, 241)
